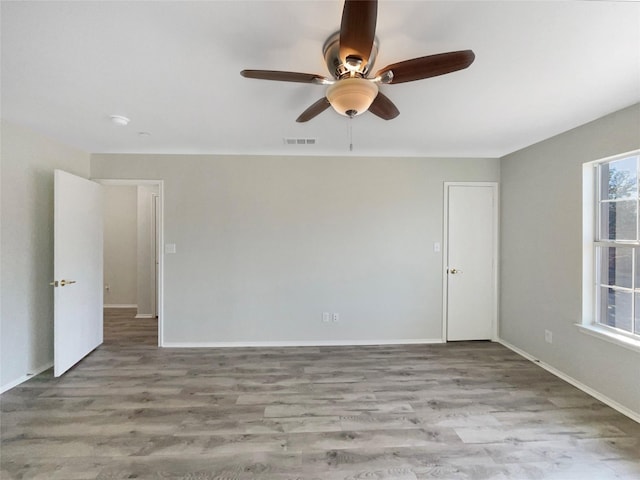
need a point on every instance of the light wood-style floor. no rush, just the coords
(470, 410)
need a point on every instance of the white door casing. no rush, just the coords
(470, 261)
(155, 241)
(78, 264)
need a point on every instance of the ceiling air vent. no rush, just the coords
(299, 141)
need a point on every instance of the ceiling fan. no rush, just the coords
(350, 55)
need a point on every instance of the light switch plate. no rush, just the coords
(170, 248)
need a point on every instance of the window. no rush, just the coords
(615, 251)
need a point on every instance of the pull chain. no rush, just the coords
(350, 133)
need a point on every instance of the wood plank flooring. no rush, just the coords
(122, 328)
(470, 410)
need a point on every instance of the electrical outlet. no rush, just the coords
(326, 316)
(336, 317)
(548, 336)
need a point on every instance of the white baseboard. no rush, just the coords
(586, 389)
(305, 343)
(119, 305)
(144, 315)
(24, 378)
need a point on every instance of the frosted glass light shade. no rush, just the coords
(352, 96)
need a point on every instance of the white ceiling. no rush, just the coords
(173, 68)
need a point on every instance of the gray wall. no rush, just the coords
(120, 244)
(541, 255)
(26, 311)
(266, 244)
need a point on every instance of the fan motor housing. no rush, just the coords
(331, 52)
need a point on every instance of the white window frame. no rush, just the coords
(591, 281)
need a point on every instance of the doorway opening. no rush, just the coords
(133, 295)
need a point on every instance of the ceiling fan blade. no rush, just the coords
(384, 108)
(429, 66)
(285, 76)
(314, 110)
(358, 31)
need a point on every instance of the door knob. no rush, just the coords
(454, 271)
(61, 283)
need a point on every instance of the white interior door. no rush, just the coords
(78, 214)
(471, 274)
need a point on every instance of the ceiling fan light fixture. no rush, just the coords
(350, 54)
(352, 96)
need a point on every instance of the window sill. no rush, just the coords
(612, 337)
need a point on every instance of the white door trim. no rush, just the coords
(160, 293)
(155, 241)
(445, 252)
